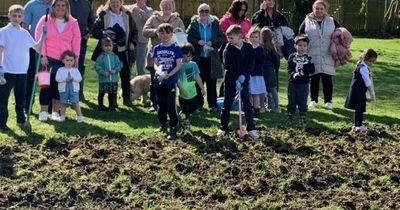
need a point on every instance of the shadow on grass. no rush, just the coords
(205, 143)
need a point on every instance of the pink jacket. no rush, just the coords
(56, 43)
(228, 20)
(340, 46)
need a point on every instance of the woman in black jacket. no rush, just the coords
(116, 21)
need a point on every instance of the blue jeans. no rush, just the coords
(141, 56)
(297, 96)
(18, 82)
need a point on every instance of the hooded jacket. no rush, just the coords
(150, 28)
(217, 39)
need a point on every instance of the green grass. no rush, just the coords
(139, 122)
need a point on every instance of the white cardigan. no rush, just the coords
(62, 75)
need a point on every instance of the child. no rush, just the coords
(257, 83)
(361, 82)
(299, 70)
(107, 66)
(238, 58)
(15, 43)
(271, 67)
(167, 58)
(189, 75)
(68, 78)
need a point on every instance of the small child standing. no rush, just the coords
(68, 78)
(361, 82)
(238, 57)
(257, 83)
(189, 75)
(107, 67)
(15, 43)
(299, 70)
(167, 59)
(270, 70)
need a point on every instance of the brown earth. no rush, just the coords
(288, 169)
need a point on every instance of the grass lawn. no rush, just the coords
(115, 160)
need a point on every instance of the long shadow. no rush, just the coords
(369, 117)
(207, 144)
(85, 129)
(30, 138)
(286, 148)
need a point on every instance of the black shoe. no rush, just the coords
(4, 128)
(128, 103)
(103, 108)
(172, 134)
(112, 109)
(162, 128)
(26, 126)
(303, 122)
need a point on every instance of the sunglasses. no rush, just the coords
(204, 11)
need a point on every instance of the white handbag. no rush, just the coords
(179, 36)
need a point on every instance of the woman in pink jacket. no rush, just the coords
(62, 34)
(236, 15)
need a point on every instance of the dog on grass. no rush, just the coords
(140, 86)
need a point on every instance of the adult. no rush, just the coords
(236, 14)
(269, 16)
(116, 21)
(207, 37)
(166, 15)
(319, 27)
(83, 12)
(33, 11)
(62, 34)
(141, 13)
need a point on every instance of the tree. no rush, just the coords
(391, 19)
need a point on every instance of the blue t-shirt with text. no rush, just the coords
(167, 57)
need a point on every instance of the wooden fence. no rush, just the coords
(347, 12)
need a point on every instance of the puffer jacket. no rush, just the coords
(320, 40)
(150, 28)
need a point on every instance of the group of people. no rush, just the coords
(246, 53)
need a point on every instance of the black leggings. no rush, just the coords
(358, 118)
(111, 100)
(327, 86)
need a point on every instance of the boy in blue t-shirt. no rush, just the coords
(189, 75)
(167, 59)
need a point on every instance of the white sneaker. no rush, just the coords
(55, 116)
(43, 116)
(362, 128)
(61, 118)
(80, 119)
(221, 132)
(254, 134)
(329, 105)
(312, 105)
